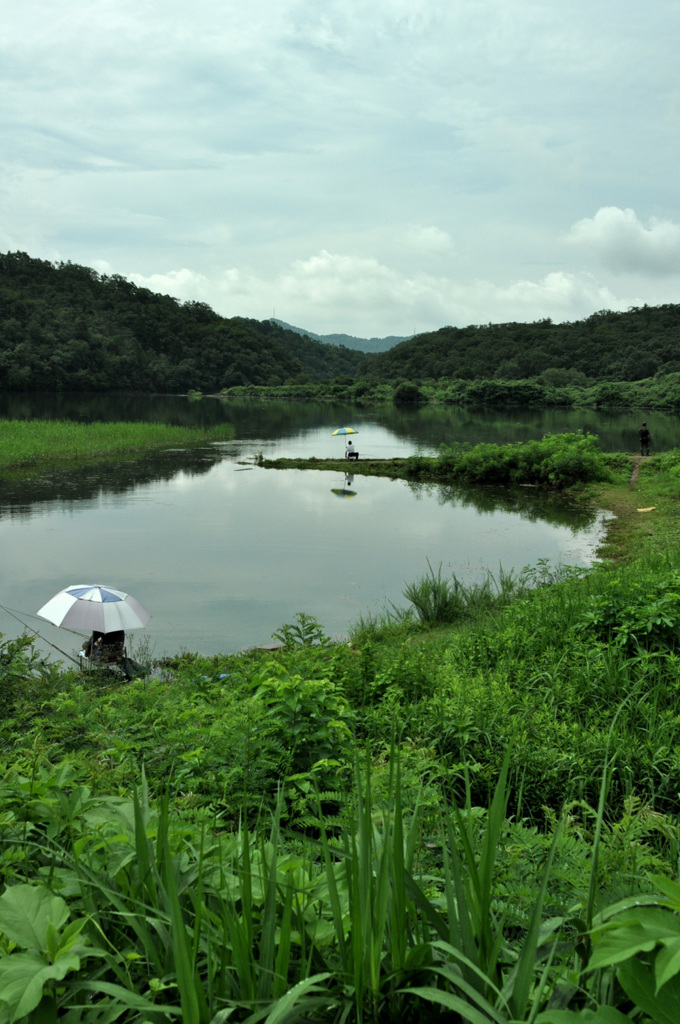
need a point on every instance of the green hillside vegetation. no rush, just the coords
(320, 360)
(66, 327)
(659, 392)
(605, 346)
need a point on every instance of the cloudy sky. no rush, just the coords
(368, 168)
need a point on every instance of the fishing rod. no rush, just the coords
(35, 632)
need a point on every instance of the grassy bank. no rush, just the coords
(437, 820)
(556, 461)
(28, 443)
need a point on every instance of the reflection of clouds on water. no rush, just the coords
(281, 543)
(223, 557)
(580, 546)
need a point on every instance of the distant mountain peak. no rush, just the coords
(348, 340)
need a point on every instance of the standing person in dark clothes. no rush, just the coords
(645, 438)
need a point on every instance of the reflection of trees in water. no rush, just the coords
(617, 431)
(428, 426)
(26, 497)
(251, 418)
(527, 502)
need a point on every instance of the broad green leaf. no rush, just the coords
(657, 921)
(619, 945)
(454, 1003)
(285, 1005)
(124, 997)
(71, 938)
(670, 889)
(602, 1015)
(667, 963)
(640, 985)
(629, 903)
(635, 932)
(27, 911)
(23, 976)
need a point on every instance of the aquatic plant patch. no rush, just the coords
(38, 442)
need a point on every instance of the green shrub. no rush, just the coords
(440, 601)
(23, 673)
(310, 716)
(636, 614)
(304, 632)
(407, 393)
(436, 600)
(557, 461)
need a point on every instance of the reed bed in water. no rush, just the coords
(33, 442)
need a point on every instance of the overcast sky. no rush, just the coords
(367, 168)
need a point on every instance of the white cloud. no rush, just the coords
(429, 240)
(359, 168)
(331, 292)
(182, 284)
(558, 295)
(625, 245)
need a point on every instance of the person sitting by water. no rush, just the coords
(645, 438)
(93, 643)
(99, 643)
(351, 452)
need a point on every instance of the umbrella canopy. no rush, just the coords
(88, 606)
(344, 430)
(340, 492)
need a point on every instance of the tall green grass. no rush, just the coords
(119, 910)
(34, 442)
(441, 601)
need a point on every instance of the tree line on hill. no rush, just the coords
(64, 327)
(610, 346)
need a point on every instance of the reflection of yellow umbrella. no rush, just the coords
(341, 492)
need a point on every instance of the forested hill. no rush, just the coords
(66, 327)
(605, 346)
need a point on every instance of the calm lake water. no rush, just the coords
(222, 552)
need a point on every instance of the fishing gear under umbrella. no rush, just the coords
(104, 612)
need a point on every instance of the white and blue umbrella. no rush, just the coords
(88, 606)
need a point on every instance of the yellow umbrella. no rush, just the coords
(344, 430)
